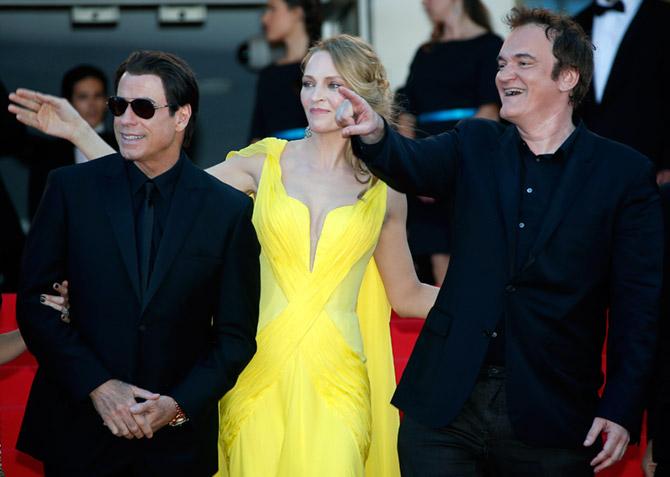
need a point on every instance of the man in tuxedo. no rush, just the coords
(162, 264)
(553, 225)
(628, 100)
(85, 87)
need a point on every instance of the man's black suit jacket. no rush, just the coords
(659, 410)
(189, 337)
(636, 101)
(599, 247)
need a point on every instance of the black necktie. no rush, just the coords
(145, 224)
(599, 9)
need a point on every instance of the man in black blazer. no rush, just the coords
(553, 225)
(162, 263)
(628, 100)
(657, 456)
(85, 87)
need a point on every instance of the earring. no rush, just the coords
(308, 132)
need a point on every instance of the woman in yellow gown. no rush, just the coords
(315, 398)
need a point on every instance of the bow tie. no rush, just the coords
(599, 9)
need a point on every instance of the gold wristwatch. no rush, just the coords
(180, 418)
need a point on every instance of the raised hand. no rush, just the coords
(357, 118)
(50, 114)
(113, 400)
(616, 442)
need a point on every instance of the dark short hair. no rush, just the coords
(181, 87)
(312, 16)
(572, 47)
(78, 73)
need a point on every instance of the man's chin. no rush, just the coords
(128, 155)
(507, 114)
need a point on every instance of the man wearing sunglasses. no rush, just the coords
(162, 264)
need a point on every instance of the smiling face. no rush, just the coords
(524, 80)
(152, 141)
(319, 96)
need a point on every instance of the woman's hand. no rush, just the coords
(49, 114)
(61, 302)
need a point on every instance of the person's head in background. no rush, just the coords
(294, 23)
(457, 18)
(85, 87)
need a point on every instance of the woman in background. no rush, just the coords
(451, 78)
(295, 24)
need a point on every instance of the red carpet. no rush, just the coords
(16, 377)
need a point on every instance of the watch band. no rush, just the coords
(180, 418)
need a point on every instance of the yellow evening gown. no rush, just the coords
(314, 400)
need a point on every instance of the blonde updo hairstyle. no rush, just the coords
(361, 69)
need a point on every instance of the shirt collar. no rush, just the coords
(165, 183)
(563, 152)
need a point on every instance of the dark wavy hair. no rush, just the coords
(178, 80)
(313, 17)
(572, 47)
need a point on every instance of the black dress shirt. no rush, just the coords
(539, 177)
(161, 197)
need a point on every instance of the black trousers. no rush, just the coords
(142, 468)
(480, 442)
(50, 471)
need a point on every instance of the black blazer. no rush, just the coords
(189, 338)
(636, 101)
(659, 410)
(47, 154)
(599, 247)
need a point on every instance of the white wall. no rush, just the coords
(400, 26)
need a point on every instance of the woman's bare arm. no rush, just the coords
(11, 345)
(488, 111)
(408, 296)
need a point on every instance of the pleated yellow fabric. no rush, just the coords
(314, 400)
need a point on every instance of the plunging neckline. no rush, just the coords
(313, 252)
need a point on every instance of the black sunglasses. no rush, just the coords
(142, 107)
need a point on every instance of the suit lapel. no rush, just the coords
(119, 209)
(506, 168)
(575, 175)
(618, 79)
(188, 194)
